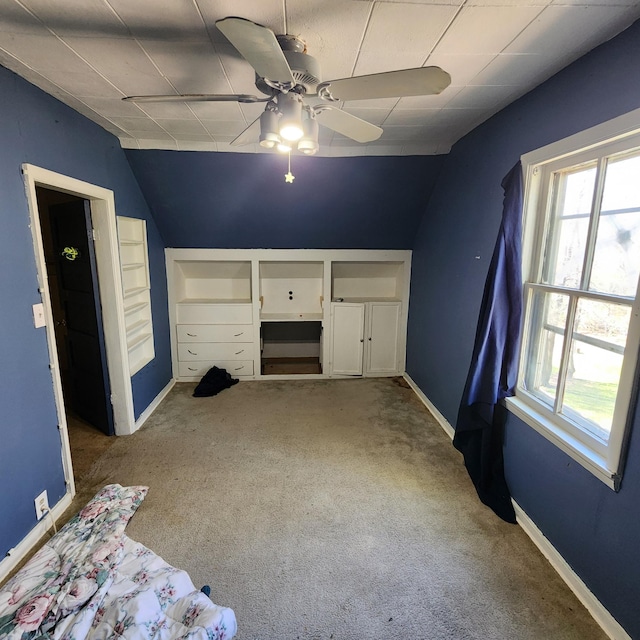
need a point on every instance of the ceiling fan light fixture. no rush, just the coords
(308, 144)
(269, 137)
(283, 146)
(290, 107)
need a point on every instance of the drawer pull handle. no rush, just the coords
(235, 335)
(239, 352)
(192, 335)
(191, 352)
(239, 368)
(190, 369)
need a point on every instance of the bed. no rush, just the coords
(91, 580)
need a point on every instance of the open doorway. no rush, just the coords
(100, 202)
(74, 290)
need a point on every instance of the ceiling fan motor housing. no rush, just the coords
(304, 68)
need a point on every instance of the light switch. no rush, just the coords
(38, 315)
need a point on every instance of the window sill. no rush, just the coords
(575, 449)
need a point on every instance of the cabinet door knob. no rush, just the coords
(361, 339)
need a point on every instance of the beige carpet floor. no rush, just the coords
(332, 509)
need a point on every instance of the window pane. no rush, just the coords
(616, 262)
(569, 226)
(547, 331)
(593, 374)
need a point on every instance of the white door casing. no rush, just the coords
(103, 218)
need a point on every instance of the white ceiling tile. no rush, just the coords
(507, 3)
(186, 145)
(519, 69)
(182, 126)
(137, 124)
(41, 51)
(607, 3)
(421, 149)
(191, 137)
(391, 133)
(410, 116)
(114, 107)
(161, 19)
(332, 30)
(168, 143)
(14, 18)
(480, 97)
(128, 143)
(486, 29)
(374, 116)
(83, 84)
(178, 110)
(216, 110)
(123, 62)
(461, 68)
(240, 73)
(401, 36)
(569, 31)
(191, 67)
(265, 12)
(224, 127)
(218, 137)
(429, 102)
(249, 111)
(82, 18)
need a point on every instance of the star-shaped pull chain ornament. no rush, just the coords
(289, 177)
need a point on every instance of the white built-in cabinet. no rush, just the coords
(365, 338)
(134, 266)
(236, 308)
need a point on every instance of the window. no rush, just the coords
(582, 316)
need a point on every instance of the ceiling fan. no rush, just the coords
(286, 74)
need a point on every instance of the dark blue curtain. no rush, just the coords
(494, 365)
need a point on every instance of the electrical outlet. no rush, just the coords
(42, 504)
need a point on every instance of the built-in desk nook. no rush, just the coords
(288, 312)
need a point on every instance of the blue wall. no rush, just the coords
(236, 201)
(40, 130)
(596, 530)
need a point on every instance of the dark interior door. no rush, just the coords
(86, 378)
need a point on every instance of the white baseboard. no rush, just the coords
(608, 623)
(444, 423)
(597, 610)
(144, 416)
(19, 552)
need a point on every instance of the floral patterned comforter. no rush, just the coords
(92, 581)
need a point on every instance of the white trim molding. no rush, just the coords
(595, 608)
(146, 414)
(22, 549)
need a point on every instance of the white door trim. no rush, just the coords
(103, 217)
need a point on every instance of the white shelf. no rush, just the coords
(134, 266)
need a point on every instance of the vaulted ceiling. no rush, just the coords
(92, 53)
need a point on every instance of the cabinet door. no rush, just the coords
(383, 322)
(347, 338)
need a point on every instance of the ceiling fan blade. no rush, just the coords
(259, 47)
(197, 97)
(249, 135)
(346, 124)
(422, 81)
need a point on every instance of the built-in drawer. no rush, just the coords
(215, 351)
(215, 333)
(194, 313)
(198, 369)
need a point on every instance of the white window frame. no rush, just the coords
(611, 137)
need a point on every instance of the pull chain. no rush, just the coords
(289, 177)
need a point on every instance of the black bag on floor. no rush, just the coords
(213, 382)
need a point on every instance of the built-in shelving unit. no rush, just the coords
(134, 265)
(371, 281)
(291, 290)
(266, 312)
